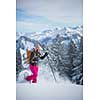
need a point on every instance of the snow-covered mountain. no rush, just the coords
(61, 36)
(26, 41)
(74, 32)
(46, 37)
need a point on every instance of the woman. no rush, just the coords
(35, 55)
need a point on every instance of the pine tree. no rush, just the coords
(76, 64)
(72, 53)
(58, 56)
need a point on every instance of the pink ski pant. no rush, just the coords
(33, 77)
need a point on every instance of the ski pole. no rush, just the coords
(49, 64)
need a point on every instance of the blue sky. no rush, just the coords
(38, 15)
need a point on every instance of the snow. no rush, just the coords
(46, 88)
(48, 91)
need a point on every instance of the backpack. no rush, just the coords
(28, 56)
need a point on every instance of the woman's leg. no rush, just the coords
(35, 74)
(33, 77)
(29, 78)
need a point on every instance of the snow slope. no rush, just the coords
(49, 91)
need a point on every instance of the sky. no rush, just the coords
(38, 15)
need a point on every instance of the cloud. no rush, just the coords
(23, 26)
(65, 11)
(28, 26)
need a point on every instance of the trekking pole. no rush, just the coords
(49, 63)
(52, 70)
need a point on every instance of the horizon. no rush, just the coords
(59, 28)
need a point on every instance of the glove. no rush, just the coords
(46, 54)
